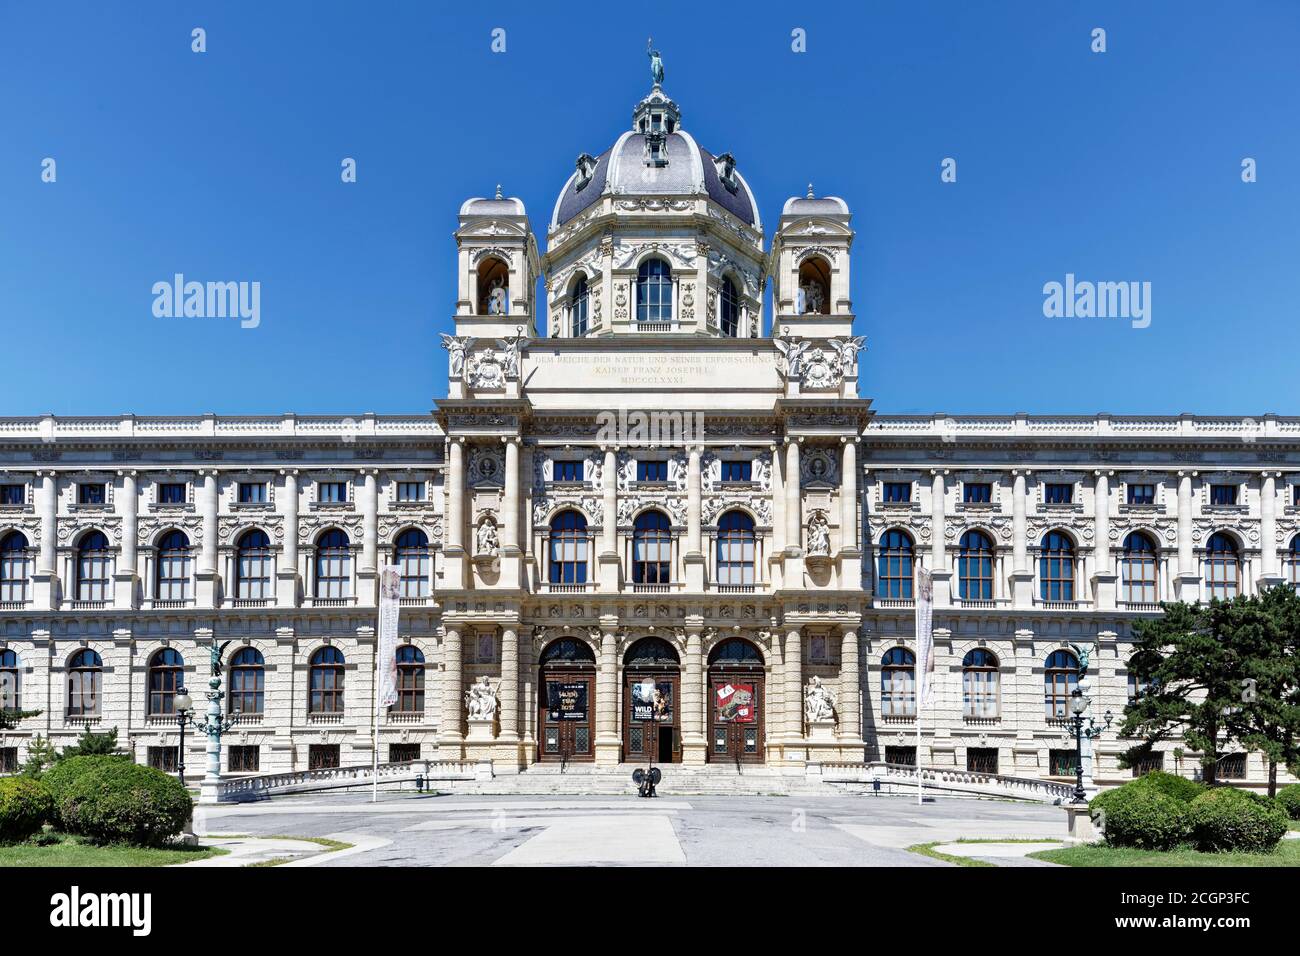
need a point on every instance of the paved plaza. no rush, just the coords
(405, 829)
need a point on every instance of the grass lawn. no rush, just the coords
(72, 851)
(928, 849)
(1287, 854)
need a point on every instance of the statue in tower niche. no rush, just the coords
(819, 535)
(656, 62)
(818, 704)
(488, 543)
(496, 297)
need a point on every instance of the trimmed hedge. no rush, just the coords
(25, 805)
(1289, 798)
(1225, 819)
(1144, 818)
(122, 802)
(58, 777)
(1177, 788)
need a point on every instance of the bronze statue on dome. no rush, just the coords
(656, 62)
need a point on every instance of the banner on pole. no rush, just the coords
(924, 637)
(390, 590)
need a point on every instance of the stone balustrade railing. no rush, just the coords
(264, 785)
(951, 779)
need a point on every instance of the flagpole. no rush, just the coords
(374, 725)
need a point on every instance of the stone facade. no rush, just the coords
(636, 453)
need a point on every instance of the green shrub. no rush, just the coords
(25, 805)
(64, 772)
(1289, 798)
(1142, 817)
(122, 802)
(1171, 785)
(1225, 819)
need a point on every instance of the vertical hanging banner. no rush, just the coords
(390, 589)
(924, 657)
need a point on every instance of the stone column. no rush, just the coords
(793, 505)
(453, 552)
(693, 741)
(849, 498)
(47, 495)
(693, 506)
(850, 686)
(286, 572)
(1271, 575)
(208, 553)
(792, 668)
(1022, 575)
(1188, 580)
(510, 502)
(939, 570)
(608, 744)
(449, 720)
(609, 511)
(509, 690)
(1103, 577)
(124, 578)
(369, 522)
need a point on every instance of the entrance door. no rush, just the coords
(567, 701)
(735, 716)
(651, 726)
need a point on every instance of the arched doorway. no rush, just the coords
(566, 701)
(736, 702)
(651, 725)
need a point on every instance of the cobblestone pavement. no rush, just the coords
(427, 830)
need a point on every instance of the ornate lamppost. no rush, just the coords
(214, 726)
(183, 705)
(1085, 728)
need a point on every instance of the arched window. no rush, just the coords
(493, 287)
(578, 306)
(569, 548)
(333, 565)
(1060, 678)
(1138, 684)
(1056, 567)
(735, 652)
(814, 287)
(253, 566)
(166, 674)
(651, 549)
(9, 671)
(736, 549)
(13, 567)
(975, 567)
(1293, 562)
(85, 678)
(895, 565)
(172, 582)
(247, 682)
(411, 555)
(729, 309)
(94, 568)
(1138, 569)
(979, 684)
(1222, 568)
(898, 683)
(654, 292)
(410, 680)
(325, 681)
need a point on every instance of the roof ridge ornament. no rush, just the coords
(810, 192)
(498, 196)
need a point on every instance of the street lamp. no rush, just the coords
(1079, 704)
(184, 706)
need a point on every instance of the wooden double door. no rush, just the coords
(566, 715)
(735, 716)
(652, 725)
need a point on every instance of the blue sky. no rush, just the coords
(1121, 166)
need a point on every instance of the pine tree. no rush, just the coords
(41, 755)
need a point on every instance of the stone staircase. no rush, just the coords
(678, 781)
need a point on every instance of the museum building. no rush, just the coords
(648, 521)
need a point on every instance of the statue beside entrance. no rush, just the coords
(818, 710)
(481, 703)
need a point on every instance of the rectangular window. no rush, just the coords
(485, 649)
(322, 756)
(1223, 495)
(1062, 763)
(171, 493)
(1231, 767)
(252, 492)
(1295, 495)
(13, 494)
(817, 649)
(652, 471)
(901, 756)
(163, 758)
(737, 470)
(1148, 762)
(977, 492)
(245, 758)
(1142, 494)
(410, 491)
(8, 759)
(89, 493)
(566, 471)
(895, 492)
(1058, 494)
(982, 759)
(403, 753)
(332, 492)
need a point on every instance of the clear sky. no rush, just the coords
(1115, 166)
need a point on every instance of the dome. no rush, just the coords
(497, 206)
(797, 207)
(656, 158)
